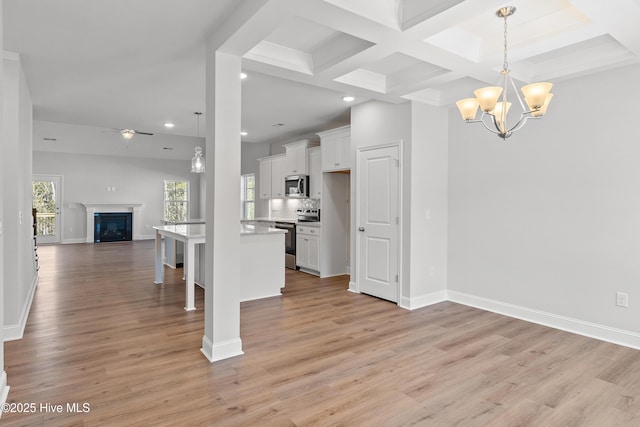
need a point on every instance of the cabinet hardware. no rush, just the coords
(360, 228)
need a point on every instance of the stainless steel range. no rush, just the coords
(308, 214)
(289, 243)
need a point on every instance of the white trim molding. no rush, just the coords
(576, 326)
(4, 389)
(222, 350)
(16, 331)
(353, 287)
(423, 300)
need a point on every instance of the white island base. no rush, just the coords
(261, 265)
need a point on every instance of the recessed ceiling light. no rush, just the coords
(244, 133)
(168, 125)
(348, 98)
(278, 125)
(167, 148)
(243, 76)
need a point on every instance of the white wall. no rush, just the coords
(20, 280)
(545, 225)
(137, 180)
(427, 254)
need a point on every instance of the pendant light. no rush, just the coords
(536, 96)
(198, 164)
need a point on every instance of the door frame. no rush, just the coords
(45, 177)
(356, 267)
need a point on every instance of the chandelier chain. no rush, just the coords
(505, 64)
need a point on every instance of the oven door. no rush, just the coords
(289, 244)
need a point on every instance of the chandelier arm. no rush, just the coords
(515, 90)
(523, 119)
(493, 119)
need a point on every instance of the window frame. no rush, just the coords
(245, 212)
(186, 200)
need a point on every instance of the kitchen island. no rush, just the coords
(261, 264)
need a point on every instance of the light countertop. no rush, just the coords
(199, 230)
(188, 221)
(249, 229)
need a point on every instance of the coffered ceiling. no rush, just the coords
(139, 63)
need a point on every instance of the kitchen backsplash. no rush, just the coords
(286, 208)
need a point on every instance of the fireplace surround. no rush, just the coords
(102, 208)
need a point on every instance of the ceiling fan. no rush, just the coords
(127, 134)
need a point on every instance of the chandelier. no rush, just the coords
(493, 102)
(198, 162)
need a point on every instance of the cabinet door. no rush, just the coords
(277, 177)
(315, 173)
(313, 251)
(265, 179)
(302, 250)
(344, 151)
(296, 162)
(329, 153)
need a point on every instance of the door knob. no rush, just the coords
(360, 228)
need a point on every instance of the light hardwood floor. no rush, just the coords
(100, 332)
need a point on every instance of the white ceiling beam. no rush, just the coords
(619, 18)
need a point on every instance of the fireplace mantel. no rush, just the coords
(92, 208)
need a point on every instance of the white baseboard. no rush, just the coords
(16, 331)
(352, 287)
(4, 389)
(144, 237)
(223, 350)
(82, 240)
(73, 241)
(423, 300)
(576, 326)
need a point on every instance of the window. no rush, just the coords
(176, 200)
(248, 196)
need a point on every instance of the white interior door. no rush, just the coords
(47, 200)
(377, 223)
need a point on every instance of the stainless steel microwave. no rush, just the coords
(297, 186)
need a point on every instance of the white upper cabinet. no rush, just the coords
(264, 181)
(271, 178)
(277, 177)
(315, 173)
(297, 158)
(336, 149)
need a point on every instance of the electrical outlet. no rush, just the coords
(622, 299)
(432, 271)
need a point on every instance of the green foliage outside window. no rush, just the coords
(248, 195)
(176, 200)
(44, 201)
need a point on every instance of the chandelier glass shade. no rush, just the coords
(493, 100)
(198, 164)
(127, 133)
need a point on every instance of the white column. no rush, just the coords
(4, 388)
(221, 338)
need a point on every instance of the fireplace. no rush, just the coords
(112, 227)
(102, 208)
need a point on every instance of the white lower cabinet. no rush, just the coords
(308, 248)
